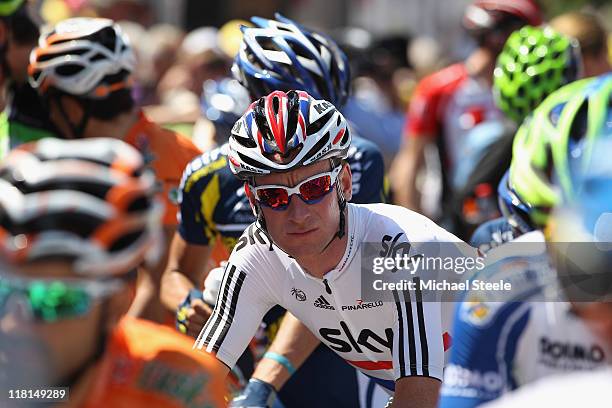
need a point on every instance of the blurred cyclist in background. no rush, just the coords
(592, 36)
(76, 220)
(221, 104)
(24, 117)
(449, 103)
(521, 82)
(214, 207)
(82, 68)
(501, 342)
(579, 239)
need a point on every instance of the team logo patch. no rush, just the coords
(322, 303)
(299, 294)
(478, 312)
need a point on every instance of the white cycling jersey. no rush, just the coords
(385, 340)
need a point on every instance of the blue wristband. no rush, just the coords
(280, 359)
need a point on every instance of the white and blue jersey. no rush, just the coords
(532, 333)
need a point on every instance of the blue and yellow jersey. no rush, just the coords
(213, 204)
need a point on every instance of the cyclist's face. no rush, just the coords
(74, 113)
(46, 352)
(304, 229)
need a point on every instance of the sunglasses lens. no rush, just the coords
(56, 300)
(273, 197)
(48, 301)
(316, 188)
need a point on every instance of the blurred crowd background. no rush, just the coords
(391, 44)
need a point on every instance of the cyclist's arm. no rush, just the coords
(189, 252)
(293, 341)
(405, 169)
(146, 304)
(368, 173)
(417, 392)
(418, 352)
(244, 298)
(185, 271)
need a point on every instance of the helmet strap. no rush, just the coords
(260, 221)
(77, 130)
(341, 206)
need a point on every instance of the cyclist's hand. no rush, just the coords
(257, 394)
(192, 314)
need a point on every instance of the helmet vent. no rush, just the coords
(318, 146)
(318, 125)
(245, 141)
(579, 125)
(345, 138)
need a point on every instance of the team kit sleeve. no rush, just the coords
(485, 339)
(418, 348)
(192, 226)
(368, 170)
(242, 302)
(198, 199)
(421, 118)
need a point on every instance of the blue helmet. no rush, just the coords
(223, 102)
(512, 207)
(282, 55)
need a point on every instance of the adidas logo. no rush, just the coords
(323, 303)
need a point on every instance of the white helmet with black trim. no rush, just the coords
(88, 57)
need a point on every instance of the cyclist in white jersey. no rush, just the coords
(303, 253)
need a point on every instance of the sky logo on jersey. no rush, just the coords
(393, 248)
(343, 341)
(322, 303)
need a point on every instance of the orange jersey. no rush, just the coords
(148, 365)
(167, 153)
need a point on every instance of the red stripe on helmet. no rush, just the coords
(234, 161)
(277, 121)
(339, 136)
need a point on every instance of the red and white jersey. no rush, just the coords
(449, 104)
(385, 340)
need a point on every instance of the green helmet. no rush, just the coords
(563, 129)
(534, 63)
(8, 7)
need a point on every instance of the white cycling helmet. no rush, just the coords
(87, 57)
(89, 201)
(284, 131)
